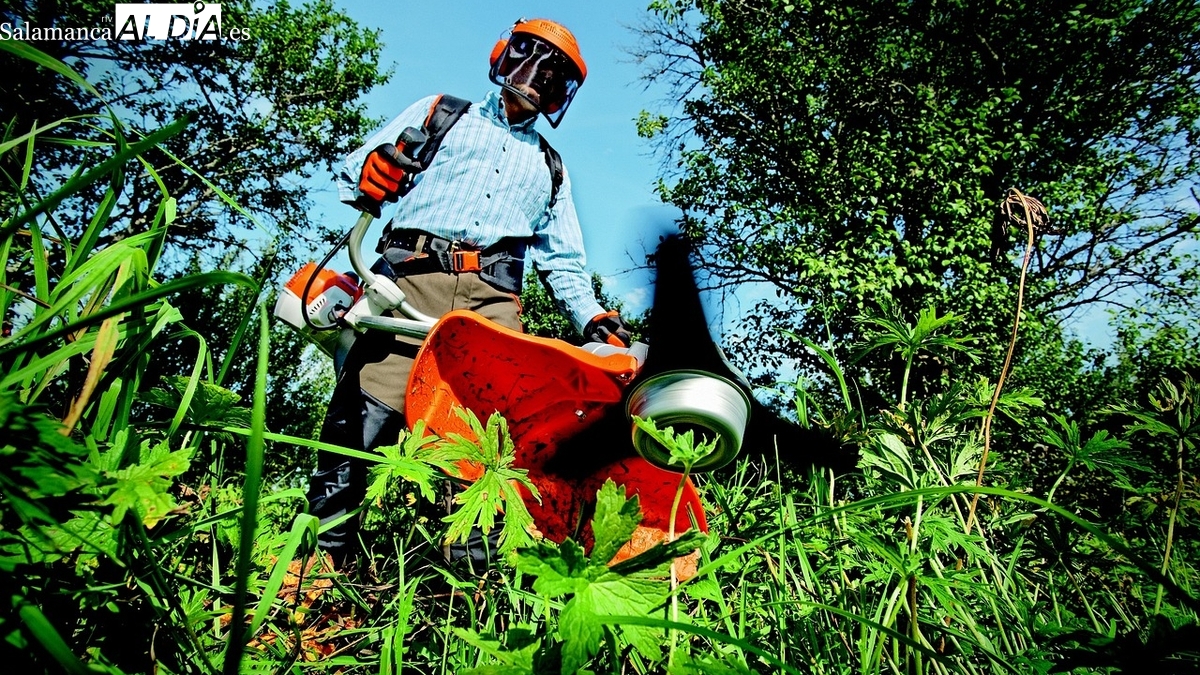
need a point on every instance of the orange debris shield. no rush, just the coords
(548, 391)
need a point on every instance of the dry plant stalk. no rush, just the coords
(1031, 213)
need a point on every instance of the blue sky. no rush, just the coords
(443, 48)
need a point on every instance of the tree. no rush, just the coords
(541, 316)
(852, 151)
(300, 377)
(266, 113)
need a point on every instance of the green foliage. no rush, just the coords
(844, 152)
(1174, 413)
(43, 469)
(140, 531)
(410, 460)
(685, 450)
(142, 487)
(493, 492)
(542, 317)
(1167, 649)
(1098, 453)
(634, 588)
(891, 333)
(267, 113)
(200, 403)
(300, 378)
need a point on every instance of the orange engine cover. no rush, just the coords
(548, 391)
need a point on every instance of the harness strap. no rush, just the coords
(555, 163)
(411, 252)
(504, 266)
(443, 114)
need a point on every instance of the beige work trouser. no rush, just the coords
(367, 408)
(384, 368)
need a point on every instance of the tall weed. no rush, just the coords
(137, 532)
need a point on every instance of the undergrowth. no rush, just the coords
(129, 545)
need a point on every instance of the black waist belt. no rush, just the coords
(410, 252)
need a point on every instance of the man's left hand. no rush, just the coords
(609, 328)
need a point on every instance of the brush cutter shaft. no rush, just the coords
(380, 295)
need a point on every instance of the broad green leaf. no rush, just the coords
(142, 487)
(610, 594)
(409, 461)
(615, 521)
(200, 403)
(559, 570)
(598, 590)
(86, 535)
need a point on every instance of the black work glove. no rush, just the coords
(386, 174)
(609, 328)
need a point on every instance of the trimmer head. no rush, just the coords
(713, 408)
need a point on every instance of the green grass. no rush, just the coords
(129, 544)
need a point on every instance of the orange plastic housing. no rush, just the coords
(326, 278)
(548, 391)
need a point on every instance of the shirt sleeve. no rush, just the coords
(347, 178)
(557, 254)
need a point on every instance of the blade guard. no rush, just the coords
(548, 391)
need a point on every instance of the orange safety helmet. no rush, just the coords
(513, 64)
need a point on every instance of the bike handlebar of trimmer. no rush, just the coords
(356, 237)
(369, 278)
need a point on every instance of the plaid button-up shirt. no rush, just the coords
(489, 181)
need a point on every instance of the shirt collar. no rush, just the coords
(493, 107)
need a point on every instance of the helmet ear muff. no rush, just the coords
(498, 51)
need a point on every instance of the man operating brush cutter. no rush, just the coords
(479, 192)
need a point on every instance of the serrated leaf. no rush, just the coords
(408, 461)
(614, 595)
(615, 521)
(495, 491)
(598, 590)
(142, 487)
(559, 570)
(210, 405)
(87, 532)
(478, 506)
(685, 450)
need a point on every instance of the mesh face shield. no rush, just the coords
(538, 72)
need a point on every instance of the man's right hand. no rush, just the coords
(385, 173)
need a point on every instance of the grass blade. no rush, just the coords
(44, 60)
(303, 534)
(829, 359)
(43, 631)
(128, 304)
(96, 173)
(236, 640)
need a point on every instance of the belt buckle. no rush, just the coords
(463, 260)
